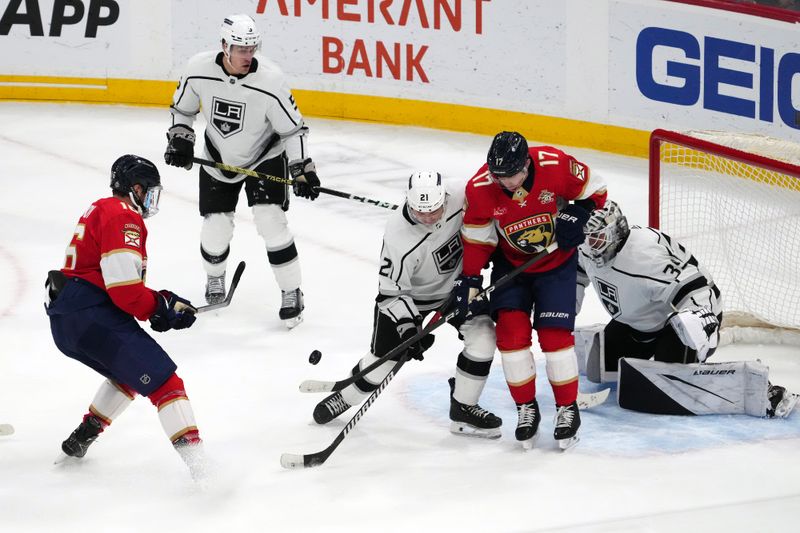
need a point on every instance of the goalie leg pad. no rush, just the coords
(693, 389)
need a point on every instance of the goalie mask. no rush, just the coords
(426, 197)
(130, 170)
(606, 232)
(239, 30)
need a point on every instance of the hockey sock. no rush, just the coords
(514, 342)
(110, 401)
(174, 410)
(562, 364)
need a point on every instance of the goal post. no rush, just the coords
(734, 201)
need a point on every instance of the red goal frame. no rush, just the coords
(659, 136)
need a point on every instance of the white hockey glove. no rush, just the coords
(698, 329)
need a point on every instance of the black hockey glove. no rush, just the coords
(569, 226)
(173, 312)
(180, 146)
(406, 329)
(464, 290)
(306, 182)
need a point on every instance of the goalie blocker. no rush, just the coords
(732, 388)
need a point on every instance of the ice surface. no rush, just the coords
(399, 469)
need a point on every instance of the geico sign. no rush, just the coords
(65, 12)
(711, 69)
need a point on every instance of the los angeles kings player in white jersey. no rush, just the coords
(253, 122)
(420, 259)
(664, 305)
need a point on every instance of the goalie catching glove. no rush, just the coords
(173, 312)
(408, 328)
(180, 146)
(698, 329)
(306, 182)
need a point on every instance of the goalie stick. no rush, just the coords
(6, 429)
(312, 385)
(227, 301)
(290, 181)
(297, 461)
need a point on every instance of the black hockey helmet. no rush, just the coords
(130, 170)
(508, 154)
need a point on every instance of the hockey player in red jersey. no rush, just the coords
(519, 202)
(92, 303)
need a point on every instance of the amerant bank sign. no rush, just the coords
(734, 77)
(382, 58)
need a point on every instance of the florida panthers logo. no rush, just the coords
(227, 116)
(531, 235)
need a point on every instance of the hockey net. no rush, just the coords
(734, 201)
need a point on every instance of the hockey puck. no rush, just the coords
(315, 356)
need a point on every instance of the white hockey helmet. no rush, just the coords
(239, 30)
(606, 232)
(425, 191)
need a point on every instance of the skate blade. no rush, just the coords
(530, 443)
(6, 429)
(64, 459)
(568, 444)
(459, 428)
(293, 322)
(785, 407)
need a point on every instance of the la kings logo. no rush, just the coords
(609, 297)
(227, 116)
(448, 255)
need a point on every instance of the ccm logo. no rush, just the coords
(686, 69)
(65, 12)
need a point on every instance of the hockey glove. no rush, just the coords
(698, 329)
(569, 226)
(180, 146)
(406, 329)
(306, 183)
(464, 290)
(173, 312)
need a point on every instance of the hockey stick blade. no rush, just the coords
(593, 399)
(296, 461)
(227, 301)
(6, 429)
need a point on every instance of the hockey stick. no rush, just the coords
(592, 399)
(6, 429)
(312, 385)
(227, 301)
(290, 181)
(296, 461)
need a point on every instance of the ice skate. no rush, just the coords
(568, 420)
(528, 418)
(77, 444)
(472, 420)
(781, 401)
(330, 408)
(193, 455)
(215, 289)
(291, 307)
